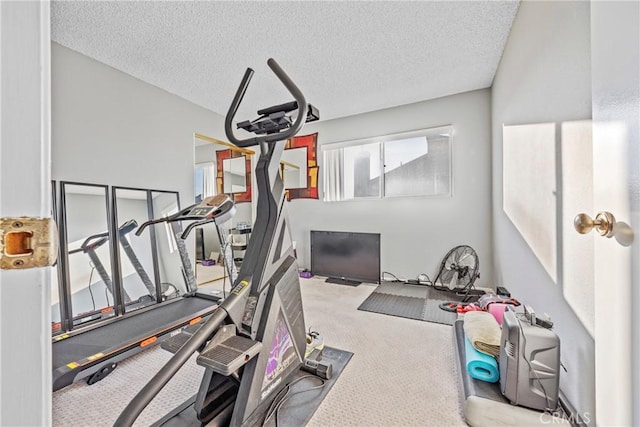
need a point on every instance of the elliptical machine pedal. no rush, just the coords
(313, 357)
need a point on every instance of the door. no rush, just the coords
(25, 190)
(615, 76)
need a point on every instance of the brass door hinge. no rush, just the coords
(27, 243)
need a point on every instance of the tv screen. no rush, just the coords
(346, 255)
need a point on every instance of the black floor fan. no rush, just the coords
(458, 271)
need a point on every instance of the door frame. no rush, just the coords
(25, 190)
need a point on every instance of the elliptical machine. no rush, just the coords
(255, 341)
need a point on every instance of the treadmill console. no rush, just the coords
(212, 207)
(203, 211)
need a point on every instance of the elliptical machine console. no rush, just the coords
(255, 342)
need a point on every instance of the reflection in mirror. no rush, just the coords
(135, 255)
(88, 252)
(206, 236)
(294, 167)
(56, 313)
(56, 318)
(168, 247)
(235, 176)
(308, 186)
(212, 168)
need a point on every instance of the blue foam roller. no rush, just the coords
(480, 366)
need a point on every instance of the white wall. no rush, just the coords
(544, 77)
(111, 128)
(416, 232)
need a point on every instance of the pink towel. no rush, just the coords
(497, 309)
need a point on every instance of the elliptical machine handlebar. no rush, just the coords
(273, 137)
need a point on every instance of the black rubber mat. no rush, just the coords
(394, 305)
(402, 300)
(304, 398)
(433, 313)
(401, 289)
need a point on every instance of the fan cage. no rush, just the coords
(458, 269)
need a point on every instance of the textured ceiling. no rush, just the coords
(347, 57)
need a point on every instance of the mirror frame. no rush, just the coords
(117, 266)
(59, 202)
(221, 155)
(65, 284)
(58, 327)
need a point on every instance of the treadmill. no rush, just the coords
(94, 353)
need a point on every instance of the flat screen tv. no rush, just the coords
(346, 257)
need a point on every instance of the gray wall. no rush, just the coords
(416, 232)
(111, 128)
(544, 76)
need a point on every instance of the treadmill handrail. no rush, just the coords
(193, 225)
(222, 204)
(172, 218)
(88, 244)
(127, 227)
(274, 137)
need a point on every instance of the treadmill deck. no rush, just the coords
(120, 339)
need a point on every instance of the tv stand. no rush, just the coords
(342, 281)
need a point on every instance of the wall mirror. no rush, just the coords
(56, 312)
(86, 249)
(135, 268)
(299, 167)
(216, 163)
(293, 167)
(169, 259)
(225, 163)
(234, 175)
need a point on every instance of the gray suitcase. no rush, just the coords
(529, 362)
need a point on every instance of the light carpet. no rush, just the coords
(402, 372)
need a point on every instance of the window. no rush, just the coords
(410, 164)
(204, 180)
(362, 171)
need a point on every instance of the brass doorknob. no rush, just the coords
(603, 223)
